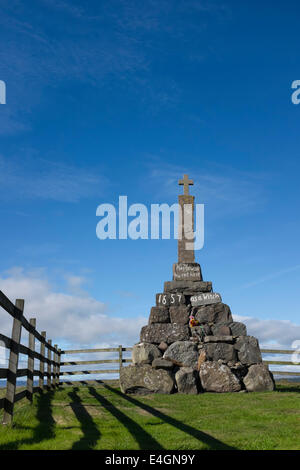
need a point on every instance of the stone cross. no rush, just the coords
(185, 182)
(186, 223)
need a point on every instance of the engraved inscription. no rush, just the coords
(170, 300)
(187, 271)
(205, 299)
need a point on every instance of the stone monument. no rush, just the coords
(191, 343)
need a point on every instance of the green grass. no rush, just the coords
(101, 417)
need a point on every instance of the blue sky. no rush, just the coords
(121, 98)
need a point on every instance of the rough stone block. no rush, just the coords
(161, 363)
(144, 379)
(215, 313)
(218, 339)
(238, 328)
(180, 314)
(248, 350)
(187, 287)
(259, 379)
(159, 315)
(218, 378)
(186, 380)
(184, 352)
(220, 351)
(144, 353)
(166, 332)
(221, 330)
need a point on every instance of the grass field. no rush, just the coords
(101, 417)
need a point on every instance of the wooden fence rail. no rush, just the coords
(12, 372)
(120, 361)
(281, 363)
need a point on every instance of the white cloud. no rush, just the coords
(74, 319)
(271, 333)
(275, 334)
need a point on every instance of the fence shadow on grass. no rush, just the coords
(91, 433)
(288, 387)
(45, 428)
(214, 444)
(142, 437)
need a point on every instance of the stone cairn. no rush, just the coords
(191, 343)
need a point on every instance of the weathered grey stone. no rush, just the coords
(161, 363)
(159, 315)
(200, 331)
(220, 351)
(163, 346)
(206, 298)
(187, 272)
(218, 339)
(186, 380)
(167, 300)
(221, 330)
(144, 379)
(187, 287)
(145, 353)
(248, 350)
(180, 314)
(259, 379)
(166, 332)
(217, 377)
(184, 352)
(237, 328)
(215, 313)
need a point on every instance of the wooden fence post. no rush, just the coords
(13, 366)
(53, 370)
(58, 368)
(49, 368)
(120, 357)
(30, 361)
(42, 363)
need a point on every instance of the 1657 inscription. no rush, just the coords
(167, 300)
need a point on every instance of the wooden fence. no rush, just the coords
(13, 344)
(120, 360)
(281, 363)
